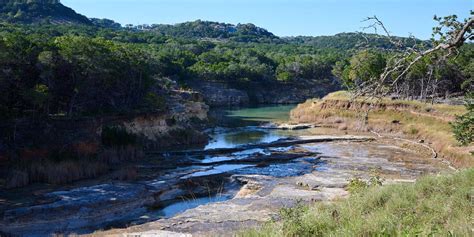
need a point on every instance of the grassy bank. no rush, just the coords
(434, 205)
(410, 119)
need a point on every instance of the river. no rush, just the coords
(245, 173)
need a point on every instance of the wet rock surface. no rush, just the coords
(263, 193)
(287, 126)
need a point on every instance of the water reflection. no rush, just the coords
(242, 117)
(186, 204)
(227, 139)
(216, 170)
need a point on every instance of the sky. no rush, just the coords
(282, 17)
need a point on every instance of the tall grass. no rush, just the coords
(65, 169)
(433, 206)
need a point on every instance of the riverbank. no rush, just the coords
(264, 193)
(320, 176)
(240, 180)
(60, 150)
(432, 205)
(424, 123)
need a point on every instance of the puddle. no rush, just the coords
(246, 153)
(216, 170)
(184, 205)
(296, 168)
(281, 149)
(213, 159)
(236, 156)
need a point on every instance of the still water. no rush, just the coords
(241, 126)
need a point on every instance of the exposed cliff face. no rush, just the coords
(185, 109)
(177, 127)
(220, 94)
(290, 93)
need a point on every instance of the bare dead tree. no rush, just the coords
(447, 38)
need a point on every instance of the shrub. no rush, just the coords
(356, 185)
(463, 127)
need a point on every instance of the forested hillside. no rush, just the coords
(78, 66)
(213, 30)
(82, 69)
(351, 41)
(39, 11)
(99, 67)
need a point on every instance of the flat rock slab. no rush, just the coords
(262, 196)
(280, 143)
(156, 233)
(286, 126)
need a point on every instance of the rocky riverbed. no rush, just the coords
(321, 177)
(240, 180)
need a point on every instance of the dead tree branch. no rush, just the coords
(402, 62)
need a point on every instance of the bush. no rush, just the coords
(356, 185)
(463, 127)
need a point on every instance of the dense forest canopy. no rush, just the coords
(207, 29)
(356, 40)
(39, 11)
(96, 66)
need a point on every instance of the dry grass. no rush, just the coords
(67, 168)
(54, 172)
(410, 119)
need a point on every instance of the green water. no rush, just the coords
(242, 126)
(277, 113)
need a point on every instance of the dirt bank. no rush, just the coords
(425, 123)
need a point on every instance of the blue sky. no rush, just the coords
(282, 17)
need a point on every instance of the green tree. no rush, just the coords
(365, 66)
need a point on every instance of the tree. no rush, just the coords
(448, 38)
(363, 68)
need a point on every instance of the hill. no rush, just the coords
(251, 33)
(212, 30)
(39, 11)
(352, 40)
(54, 12)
